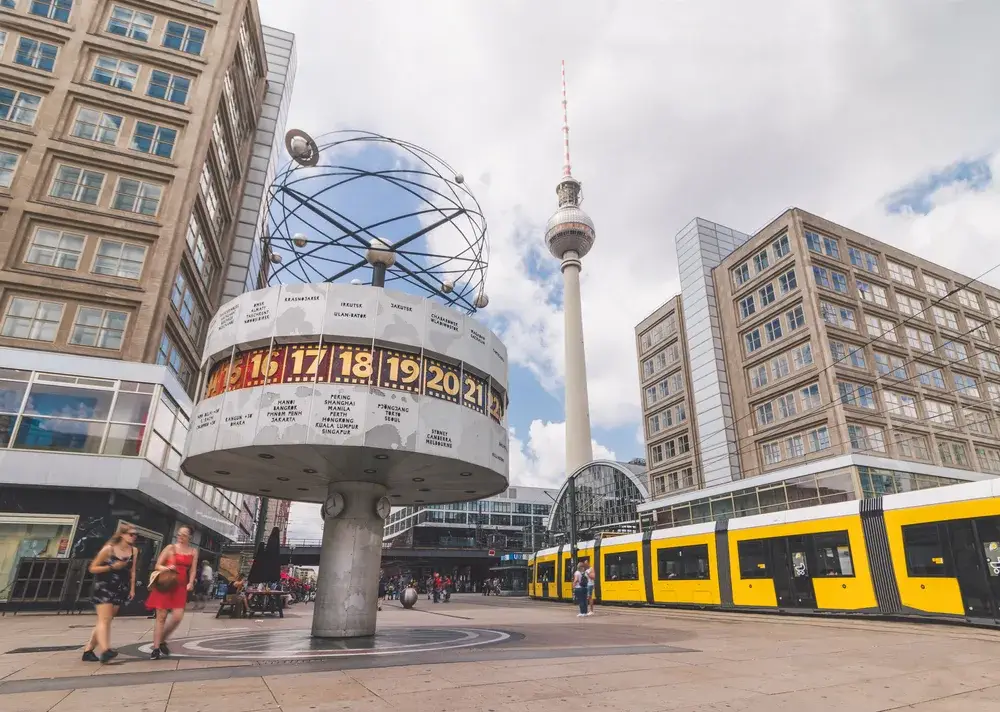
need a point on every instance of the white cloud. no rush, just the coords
(541, 460)
(304, 522)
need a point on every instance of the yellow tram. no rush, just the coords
(929, 553)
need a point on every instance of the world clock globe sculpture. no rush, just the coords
(358, 378)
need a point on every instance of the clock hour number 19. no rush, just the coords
(402, 369)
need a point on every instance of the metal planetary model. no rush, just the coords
(355, 396)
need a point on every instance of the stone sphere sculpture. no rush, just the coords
(409, 597)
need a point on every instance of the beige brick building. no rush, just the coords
(851, 369)
(126, 131)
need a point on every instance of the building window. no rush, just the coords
(953, 453)
(772, 330)
(994, 390)
(153, 139)
(919, 340)
(880, 328)
(183, 301)
(900, 404)
(830, 279)
(993, 307)
(909, 306)
(136, 196)
(795, 318)
(988, 361)
(758, 377)
(857, 395)
(184, 38)
(954, 351)
(822, 244)
(853, 355)
(989, 458)
(977, 422)
(35, 54)
(872, 293)
(170, 356)
(838, 316)
(760, 262)
(940, 413)
(222, 152)
(168, 87)
(802, 356)
(978, 328)
(209, 195)
(130, 23)
(57, 10)
(55, 248)
(766, 295)
(935, 286)
(765, 415)
(32, 319)
(77, 184)
(787, 407)
(912, 446)
(116, 73)
(94, 125)
(865, 260)
(747, 307)
(741, 275)
(866, 438)
(945, 318)
(968, 299)
(779, 366)
(780, 247)
(929, 375)
(889, 365)
(8, 166)
(794, 446)
(99, 328)
(786, 282)
(966, 385)
(901, 274)
(819, 439)
(18, 107)
(119, 259)
(772, 453)
(752, 341)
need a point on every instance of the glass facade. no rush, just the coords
(606, 499)
(95, 416)
(807, 491)
(31, 536)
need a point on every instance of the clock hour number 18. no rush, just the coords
(353, 364)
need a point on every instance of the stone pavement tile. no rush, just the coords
(381, 683)
(656, 699)
(245, 694)
(125, 665)
(485, 696)
(48, 668)
(189, 664)
(134, 698)
(31, 701)
(988, 699)
(914, 688)
(309, 688)
(792, 681)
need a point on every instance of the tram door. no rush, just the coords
(971, 565)
(792, 567)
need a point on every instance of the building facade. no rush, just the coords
(126, 148)
(458, 539)
(852, 369)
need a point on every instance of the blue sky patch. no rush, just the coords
(916, 197)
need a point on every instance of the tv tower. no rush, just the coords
(569, 236)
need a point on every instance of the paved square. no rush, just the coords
(479, 654)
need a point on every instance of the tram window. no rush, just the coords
(833, 554)
(925, 552)
(568, 570)
(545, 572)
(621, 567)
(684, 563)
(753, 559)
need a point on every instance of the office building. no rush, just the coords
(457, 539)
(845, 368)
(126, 147)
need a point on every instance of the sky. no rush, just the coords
(879, 116)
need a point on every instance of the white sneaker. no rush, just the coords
(590, 613)
(581, 615)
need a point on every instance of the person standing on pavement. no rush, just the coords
(181, 558)
(580, 588)
(591, 574)
(114, 586)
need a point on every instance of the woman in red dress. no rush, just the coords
(182, 558)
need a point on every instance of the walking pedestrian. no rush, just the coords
(580, 588)
(114, 586)
(181, 558)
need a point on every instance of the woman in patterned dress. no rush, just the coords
(182, 558)
(114, 586)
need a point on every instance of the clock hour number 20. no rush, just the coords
(442, 381)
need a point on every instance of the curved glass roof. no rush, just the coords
(607, 494)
